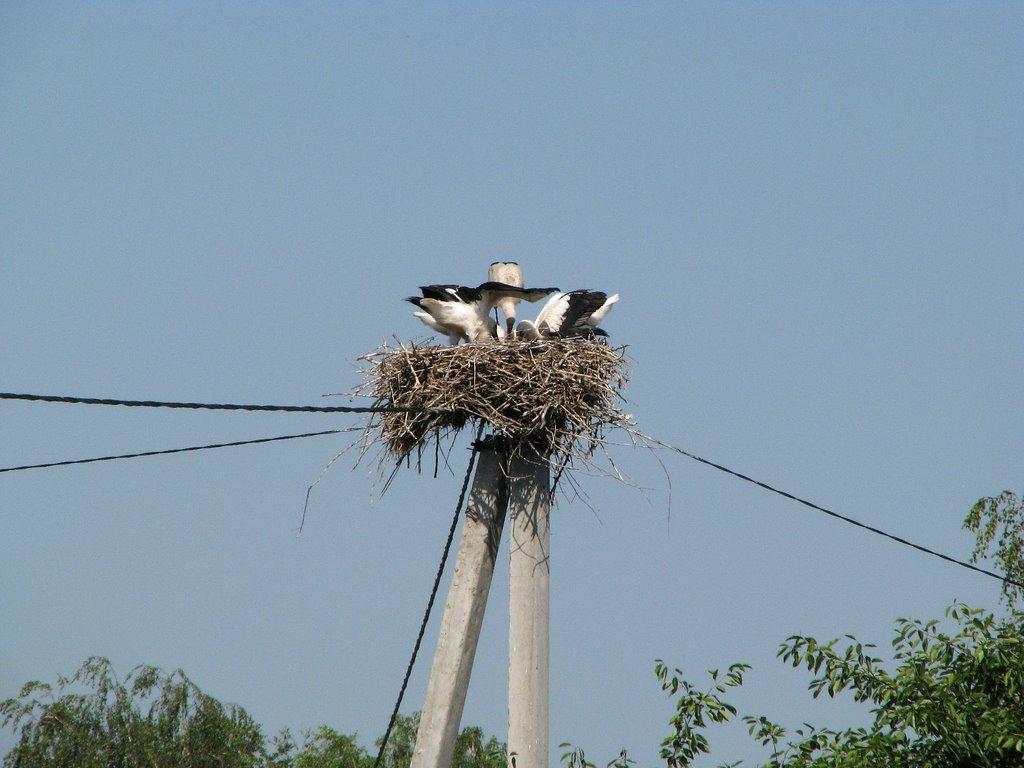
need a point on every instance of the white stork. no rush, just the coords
(464, 313)
(509, 273)
(576, 313)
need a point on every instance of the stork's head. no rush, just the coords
(510, 273)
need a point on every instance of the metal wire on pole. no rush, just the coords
(844, 518)
(177, 450)
(204, 406)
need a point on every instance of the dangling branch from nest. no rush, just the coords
(555, 396)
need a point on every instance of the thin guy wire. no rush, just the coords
(836, 515)
(177, 450)
(208, 406)
(430, 602)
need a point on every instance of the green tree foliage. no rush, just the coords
(472, 749)
(695, 708)
(153, 720)
(999, 520)
(947, 699)
(325, 748)
(95, 720)
(577, 758)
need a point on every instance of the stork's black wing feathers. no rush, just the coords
(582, 304)
(464, 293)
(512, 291)
(445, 292)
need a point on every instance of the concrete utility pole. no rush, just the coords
(463, 614)
(529, 599)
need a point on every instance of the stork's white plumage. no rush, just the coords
(454, 334)
(456, 319)
(509, 273)
(601, 312)
(464, 313)
(576, 313)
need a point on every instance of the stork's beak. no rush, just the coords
(510, 323)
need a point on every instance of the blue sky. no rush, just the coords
(812, 213)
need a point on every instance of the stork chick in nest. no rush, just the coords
(463, 313)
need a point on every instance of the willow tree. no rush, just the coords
(149, 719)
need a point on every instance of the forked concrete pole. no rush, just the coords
(463, 615)
(529, 598)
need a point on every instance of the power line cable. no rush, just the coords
(178, 450)
(836, 515)
(209, 406)
(430, 602)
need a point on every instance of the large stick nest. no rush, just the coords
(555, 395)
